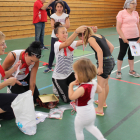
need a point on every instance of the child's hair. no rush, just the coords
(34, 49)
(89, 31)
(57, 25)
(85, 70)
(60, 2)
(2, 35)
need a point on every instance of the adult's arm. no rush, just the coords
(46, 5)
(138, 24)
(110, 45)
(67, 7)
(33, 77)
(8, 62)
(119, 30)
(99, 51)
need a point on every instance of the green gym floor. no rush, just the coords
(122, 116)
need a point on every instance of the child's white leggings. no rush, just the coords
(85, 118)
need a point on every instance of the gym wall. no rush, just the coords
(16, 16)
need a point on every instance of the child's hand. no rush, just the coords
(75, 83)
(81, 29)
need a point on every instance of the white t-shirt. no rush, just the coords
(61, 19)
(64, 63)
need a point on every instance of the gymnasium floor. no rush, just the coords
(122, 116)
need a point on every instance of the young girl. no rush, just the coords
(63, 18)
(105, 63)
(63, 74)
(6, 111)
(85, 71)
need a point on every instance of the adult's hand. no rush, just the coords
(138, 40)
(125, 40)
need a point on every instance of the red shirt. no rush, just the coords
(82, 101)
(39, 15)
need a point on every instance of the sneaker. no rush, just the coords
(44, 48)
(53, 64)
(47, 70)
(135, 74)
(118, 75)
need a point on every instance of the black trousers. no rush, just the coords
(5, 104)
(62, 87)
(17, 89)
(52, 55)
(123, 49)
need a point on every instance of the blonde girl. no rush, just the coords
(85, 71)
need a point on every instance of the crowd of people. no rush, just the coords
(62, 48)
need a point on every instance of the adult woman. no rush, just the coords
(63, 18)
(128, 29)
(30, 62)
(6, 111)
(105, 64)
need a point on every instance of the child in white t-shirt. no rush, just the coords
(63, 18)
(63, 74)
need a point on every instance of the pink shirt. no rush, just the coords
(129, 23)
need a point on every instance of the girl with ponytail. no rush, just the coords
(63, 48)
(105, 64)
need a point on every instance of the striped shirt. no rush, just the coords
(64, 63)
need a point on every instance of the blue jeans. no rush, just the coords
(39, 32)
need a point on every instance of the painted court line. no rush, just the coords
(80, 57)
(95, 79)
(122, 121)
(125, 81)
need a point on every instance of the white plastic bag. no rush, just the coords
(56, 113)
(40, 116)
(24, 111)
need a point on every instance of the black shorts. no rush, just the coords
(108, 66)
(5, 104)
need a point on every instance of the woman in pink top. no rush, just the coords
(128, 29)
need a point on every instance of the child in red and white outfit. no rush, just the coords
(85, 71)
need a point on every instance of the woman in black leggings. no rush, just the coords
(129, 30)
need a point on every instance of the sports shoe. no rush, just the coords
(135, 74)
(44, 48)
(118, 75)
(53, 64)
(47, 70)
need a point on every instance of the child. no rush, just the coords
(6, 111)
(85, 71)
(63, 74)
(63, 18)
(105, 64)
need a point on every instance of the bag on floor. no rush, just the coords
(24, 111)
